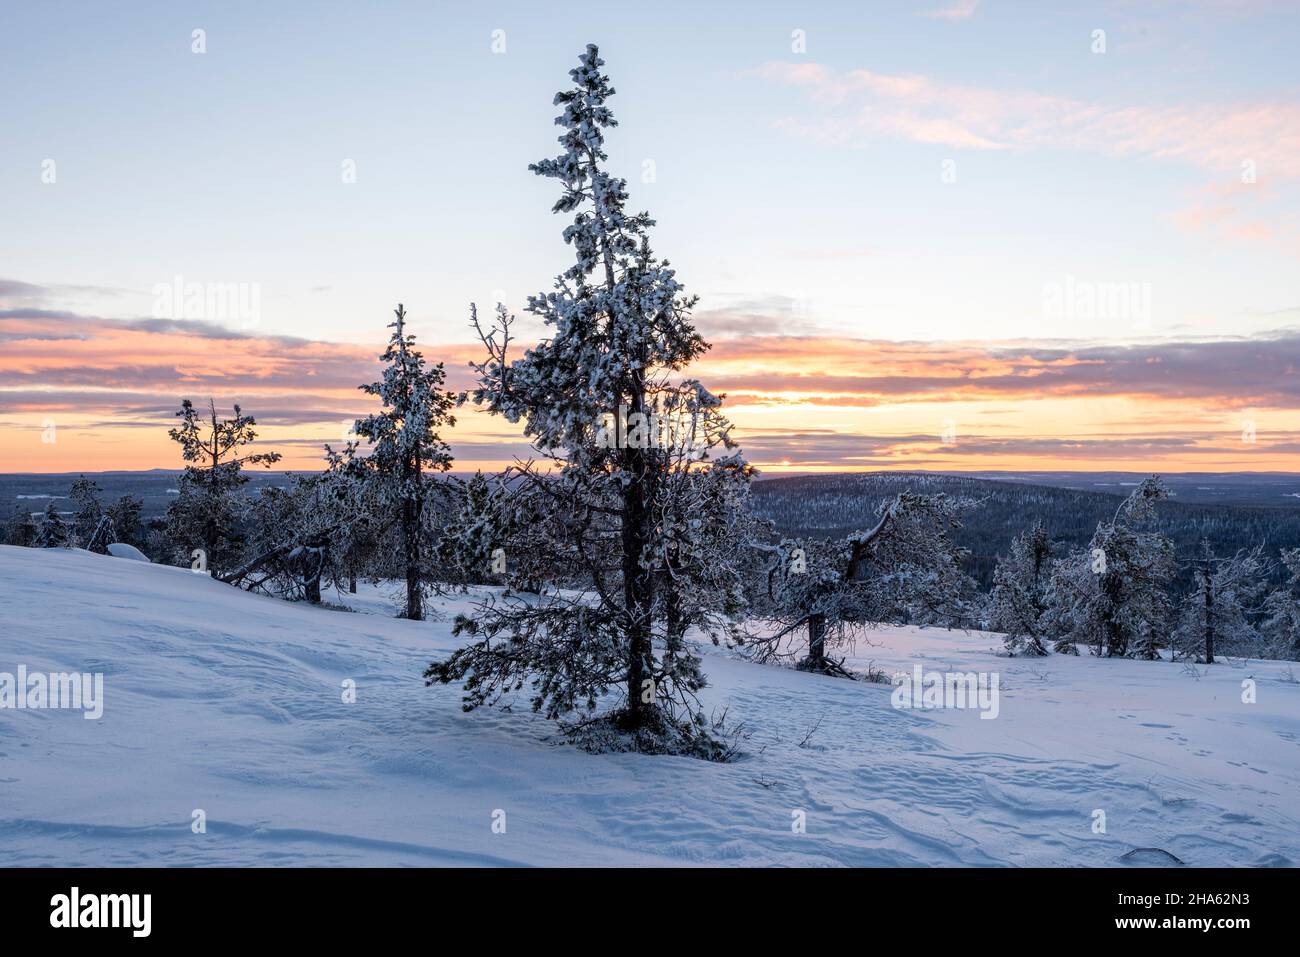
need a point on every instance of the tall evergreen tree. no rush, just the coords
(1215, 615)
(594, 398)
(1021, 593)
(406, 448)
(206, 513)
(1112, 595)
(91, 525)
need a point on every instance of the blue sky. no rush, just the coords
(225, 166)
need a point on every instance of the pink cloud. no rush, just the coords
(960, 10)
(861, 105)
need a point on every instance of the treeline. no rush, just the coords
(92, 524)
(1115, 595)
(829, 505)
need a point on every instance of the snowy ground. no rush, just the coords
(231, 703)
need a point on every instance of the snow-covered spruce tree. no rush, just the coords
(905, 570)
(589, 397)
(287, 550)
(1021, 592)
(54, 531)
(206, 514)
(362, 527)
(481, 531)
(93, 526)
(19, 529)
(405, 448)
(1215, 615)
(1281, 623)
(125, 516)
(501, 532)
(1112, 595)
(318, 530)
(474, 533)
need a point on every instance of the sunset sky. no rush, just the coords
(949, 235)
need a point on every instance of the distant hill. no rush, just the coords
(1204, 488)
(832, 506)
(156, 487)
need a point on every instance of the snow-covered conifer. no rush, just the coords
(1021, 592)
(704, 532)
(19, 529)
(92, 526)
(405, 447)
(53, 531)
(601, 398)
(124, 514)
(904, 569)
(1281, 622)
(206, 513)
(1215, 615)
(496, 535)
(1112, 595)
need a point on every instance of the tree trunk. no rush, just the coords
(1115, 640)
(313, 564)
(411, 542)
(210, 530)
(816, 642)
(1209, 614)
(637, 593)
(352, 581)
(638, 585)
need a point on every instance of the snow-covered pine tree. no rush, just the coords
(362, 525)
(54, 531)
(316, 531)
(92, 526)
(1215, 615)
(406, 447)
(287, 551)
(808, 584)
(125, 517)
(587, 396)
(20, 530)
(1021, 592)
(496, 534)
(1112, 595)
(475, 532)
(1281, 624)
(206, 513)
(905, 569)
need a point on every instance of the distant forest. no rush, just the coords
(832, 506)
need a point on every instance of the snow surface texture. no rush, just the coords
(232, 703)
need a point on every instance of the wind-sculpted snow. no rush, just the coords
(229, 703)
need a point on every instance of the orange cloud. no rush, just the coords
(110, 390)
